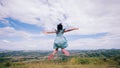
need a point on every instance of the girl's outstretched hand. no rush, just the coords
(44, 32)
(71, 29)
(76, 28)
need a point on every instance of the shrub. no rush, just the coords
(76, 60)
(7, 64)
(84, 61)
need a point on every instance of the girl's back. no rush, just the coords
(60, 41)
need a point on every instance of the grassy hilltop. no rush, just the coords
(78, 59)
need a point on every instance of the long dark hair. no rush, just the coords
(59, 27)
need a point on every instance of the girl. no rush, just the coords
(60, 41)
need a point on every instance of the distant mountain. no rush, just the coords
(2, 49)
(81, 53)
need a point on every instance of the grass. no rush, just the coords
(53, 65)
(74, 62)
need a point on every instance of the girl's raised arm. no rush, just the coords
(48, 32)
(71, 29)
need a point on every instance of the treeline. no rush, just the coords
(23, 53)
(82, 53)
(108, 53)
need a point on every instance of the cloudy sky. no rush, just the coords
(22, 23)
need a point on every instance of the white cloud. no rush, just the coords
(40, 42)
(107, 42)
(91, 16)
(11, 32)
(29, 10)
(6, 41)
(32, 44)
(28, 41)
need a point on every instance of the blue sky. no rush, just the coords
(18, 25)
(22, 23)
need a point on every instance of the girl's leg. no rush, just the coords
(52, 54)
(65, 52)
(55, 51)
